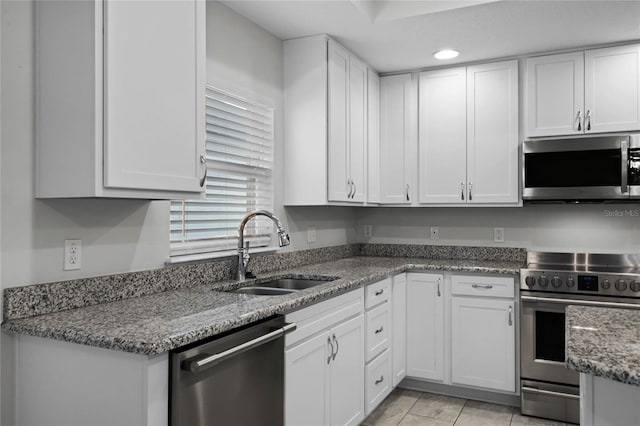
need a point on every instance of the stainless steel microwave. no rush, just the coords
(587, 168)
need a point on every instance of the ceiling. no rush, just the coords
(398, 35)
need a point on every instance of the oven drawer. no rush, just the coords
(469, 285)
(550, 401)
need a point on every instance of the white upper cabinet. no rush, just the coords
(468, 143)
(612, 89)
(326, 126)
(584, 92)
(373, 137)
(492, 133)
(396, 140)
(443, 136)
(120, 99)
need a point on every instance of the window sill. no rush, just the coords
(218, 255)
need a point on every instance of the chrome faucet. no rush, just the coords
(243, 250)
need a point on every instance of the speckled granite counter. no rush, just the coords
(156, 323)
(604, 342)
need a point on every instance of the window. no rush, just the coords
(239, 149)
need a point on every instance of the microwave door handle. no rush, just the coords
(624, 166)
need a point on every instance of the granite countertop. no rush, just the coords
(159, 322)
(604, 342)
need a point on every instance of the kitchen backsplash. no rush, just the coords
(40, 299)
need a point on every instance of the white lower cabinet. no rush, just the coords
(461, 330)
(399, 328)
(483, 343)
(425, 326)
(377, 350)
(324, 363)
(378, 384)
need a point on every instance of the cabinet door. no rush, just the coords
(395, 139)
(338, 148)
(307, 382)
(483, 343)
(357, 127)
(612, 89)
(555, 88)
(373, 137)
(492, 133)
(154, 95)
(399, 326)
(347, 374)
(443, 136)
(425, 326)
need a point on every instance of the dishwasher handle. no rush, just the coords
(196, 365)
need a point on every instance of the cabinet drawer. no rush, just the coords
(323, 315)
(378, 327)
(378, 381)
(468, 285)
(377, 293)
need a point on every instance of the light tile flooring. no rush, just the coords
(410, 408)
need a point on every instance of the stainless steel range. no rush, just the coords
(549, 283)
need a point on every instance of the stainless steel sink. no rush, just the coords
(282, 286)
(295, 283)
(264, 291)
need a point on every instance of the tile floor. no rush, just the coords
(410, 408)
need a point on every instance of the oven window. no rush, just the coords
(601, 167)
(550, 336)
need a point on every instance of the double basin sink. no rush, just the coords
(282, 286)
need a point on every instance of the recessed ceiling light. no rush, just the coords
(446, 54)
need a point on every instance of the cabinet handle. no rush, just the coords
(355, 189)
(380, 380)
(588, 119)
(470, 194)
(337, 347)
(330, 355)
(379, 292)
(407, 192)
(350, 188)
(379, 330)
(579, 119)
(484, 287)
(203, 160)
(439, 280)
(462, 191)
(510, 315)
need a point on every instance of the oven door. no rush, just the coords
(542, 340)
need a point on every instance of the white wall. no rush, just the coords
(244, 59)
(557, 227)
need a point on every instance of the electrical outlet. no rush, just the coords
(72, 255)
(368, 231)
(498, 235)
(434, 233)
(311, 234)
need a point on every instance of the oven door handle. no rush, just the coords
(624, 159)
(579, 302)
(550, 393)
(195, 366)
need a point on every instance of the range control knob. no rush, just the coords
(530, 281)
(635, 286)
(543, 281)
(556, 282)
(621, 285)
(570, 282)
(605, 284)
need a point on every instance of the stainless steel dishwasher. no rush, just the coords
(232, 379)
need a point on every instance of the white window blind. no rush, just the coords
(239, 149)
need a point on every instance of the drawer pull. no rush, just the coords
(380, 380)
(483, 287)
(379, 330)
(379, 292)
